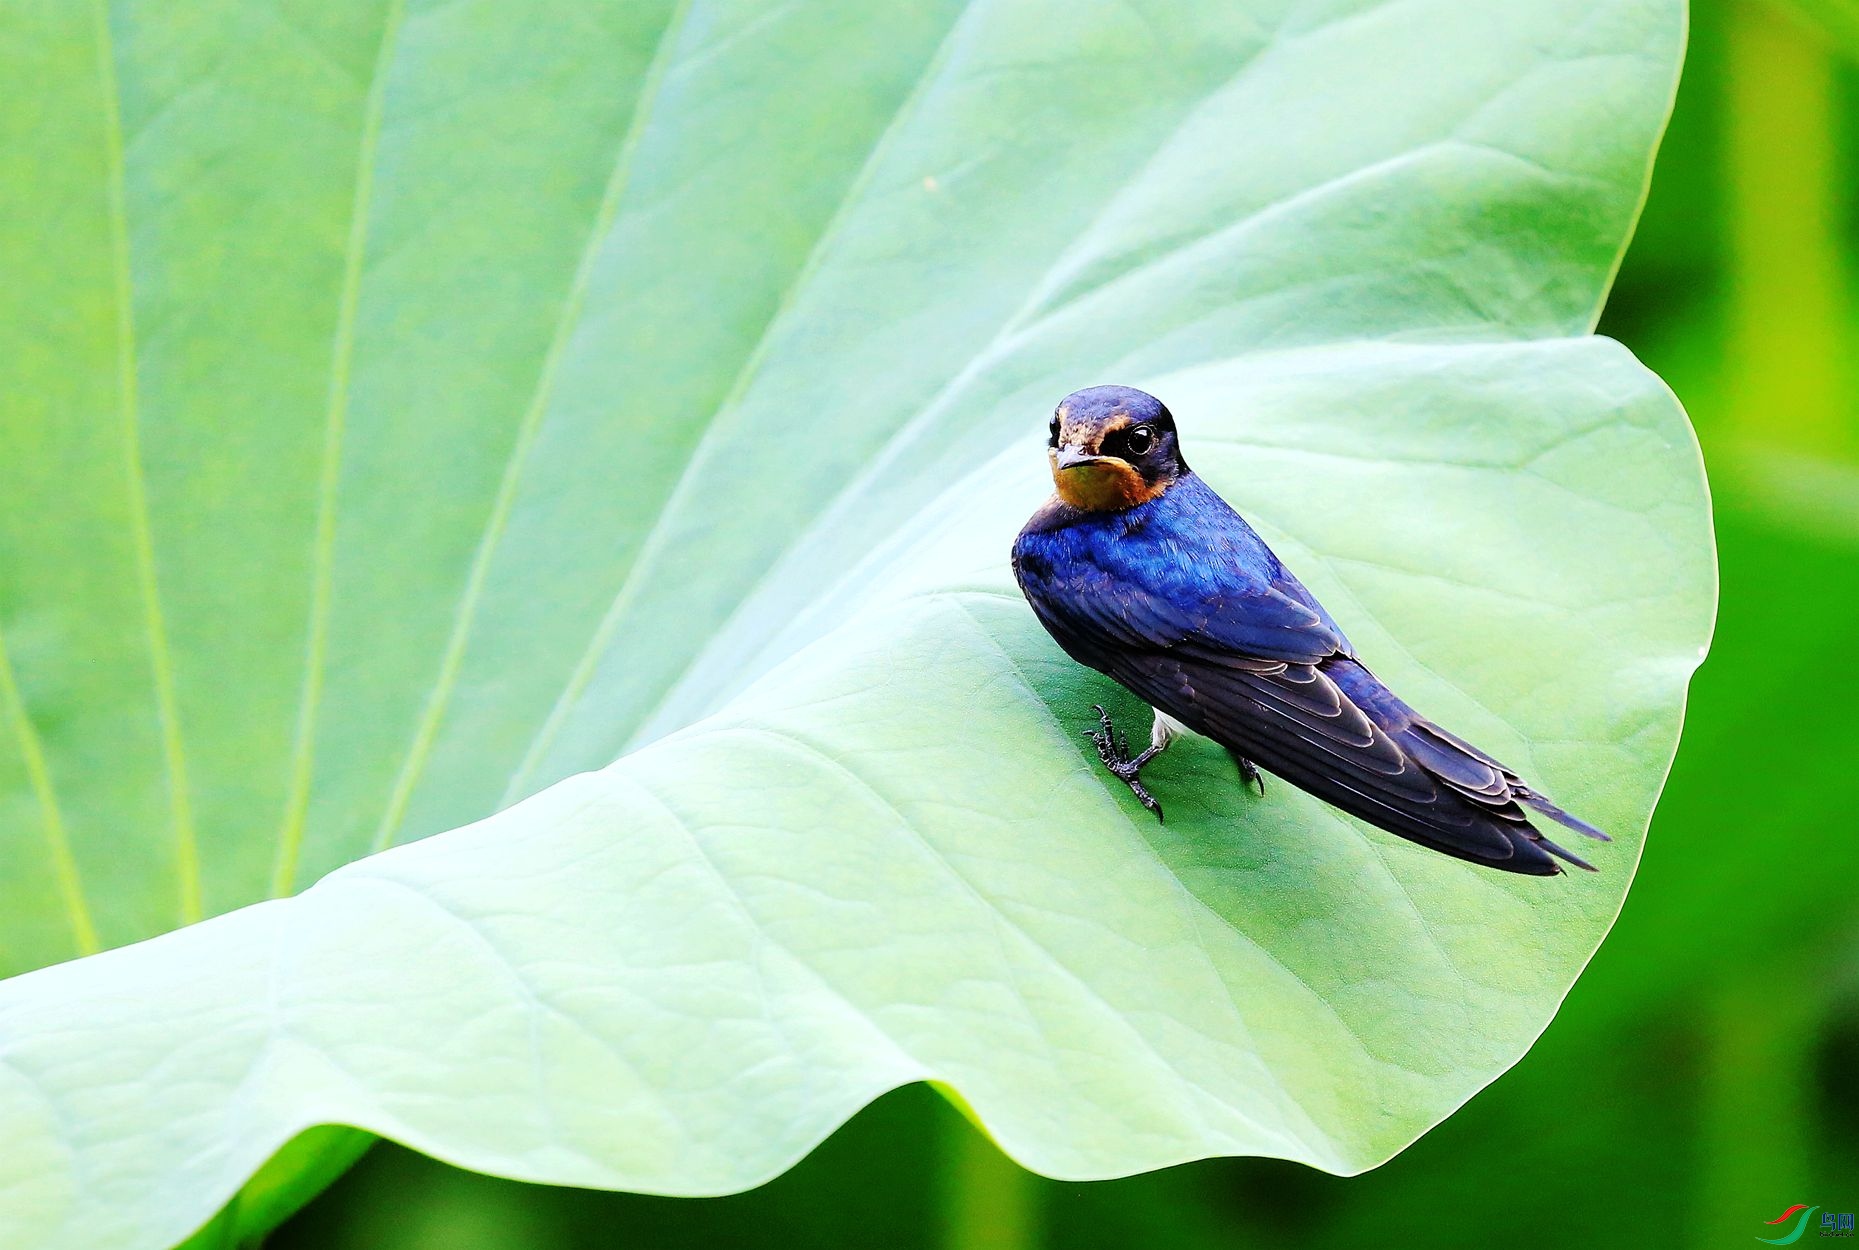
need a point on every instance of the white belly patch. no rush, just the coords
(1165, 730)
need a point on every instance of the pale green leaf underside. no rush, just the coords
(409, 406)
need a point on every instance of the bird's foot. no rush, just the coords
(1114, 749)
(1249, 772)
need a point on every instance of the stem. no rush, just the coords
(989, 1202)
(1788, 305)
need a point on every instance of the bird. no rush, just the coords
(1138, 569)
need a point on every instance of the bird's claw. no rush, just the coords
(1114, 750)
(1249, 773)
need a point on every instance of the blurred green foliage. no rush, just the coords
(1704, 1074)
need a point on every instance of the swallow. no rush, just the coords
(1140, 571)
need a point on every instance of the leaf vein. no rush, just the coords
(583, 672)
(161, 663)
(57, 840)
(438, 699)
(335, 420)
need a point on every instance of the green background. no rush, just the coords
(1704, 1073)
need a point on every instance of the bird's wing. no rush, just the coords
(1214, 610)
(1308, 723)
(1253, 662)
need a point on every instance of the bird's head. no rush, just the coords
(1112, 448)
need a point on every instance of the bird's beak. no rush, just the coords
(1072, 457)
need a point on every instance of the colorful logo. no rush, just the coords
(1788, 1239)
(1832, 1224)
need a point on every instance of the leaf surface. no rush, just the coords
(411, 406)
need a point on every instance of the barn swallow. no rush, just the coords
(1139, 570)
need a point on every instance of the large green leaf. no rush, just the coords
(409, 405)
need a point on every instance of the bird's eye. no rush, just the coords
(1140, 439)
(1053, 433)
